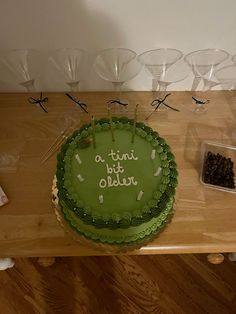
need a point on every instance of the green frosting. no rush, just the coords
(118, 187)
(131, 235)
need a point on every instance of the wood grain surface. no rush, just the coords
(120, 285)
(205, 219)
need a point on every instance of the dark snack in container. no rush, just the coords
(218, 170)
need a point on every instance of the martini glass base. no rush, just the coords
(118, 105)
(200, 109)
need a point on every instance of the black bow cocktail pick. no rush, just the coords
(39, 101)
(158, 102)
(201, 101)
(111, 102)
(78, 102)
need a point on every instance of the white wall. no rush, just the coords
(97, 24)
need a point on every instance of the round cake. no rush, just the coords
(116, 181)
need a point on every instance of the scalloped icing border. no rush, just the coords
(135, 239)
(135, 221)
(109, 247)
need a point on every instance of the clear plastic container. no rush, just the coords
(225, 150)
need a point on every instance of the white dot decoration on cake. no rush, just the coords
(79, 176)
(100, 199)
(140, 195)
(153, 154)
(157, 172)
(77, 157)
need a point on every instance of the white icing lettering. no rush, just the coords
(132, 155)
(120, 169)
(157, 172)
(112, 155)
(98, 158)
(109, 181)
(133, 181)
(140, 194)
(109, 169)
(102, 183)
(123, 182)
(115, 168)
(115, 182)
(125, 156)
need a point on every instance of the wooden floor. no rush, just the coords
(137, 284)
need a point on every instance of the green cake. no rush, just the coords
(116, 182)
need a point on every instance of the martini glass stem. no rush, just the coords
(117, 88)
(74, 86)
(163, 86)
(161, 92)
(29, 85)
(208, 84)
(155, 84)
(196, 82)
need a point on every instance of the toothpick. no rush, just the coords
(93, 130)
(111, 126)
(135, 120)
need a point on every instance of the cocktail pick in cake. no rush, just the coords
(93, 131)
(111, 126)
(134, 125)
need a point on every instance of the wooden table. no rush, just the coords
(205, 219)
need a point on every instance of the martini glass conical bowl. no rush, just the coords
(203, 64)
(158, 61)
(68, 63)
(226, 77)
(117, 66)
(21, 66)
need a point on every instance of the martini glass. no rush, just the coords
(234, 59)
(226, 77)
(68, 63)
(234, 87)
(203, 64)
(117, 65)
(158, 61)
(174, 74)
(21, 65)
